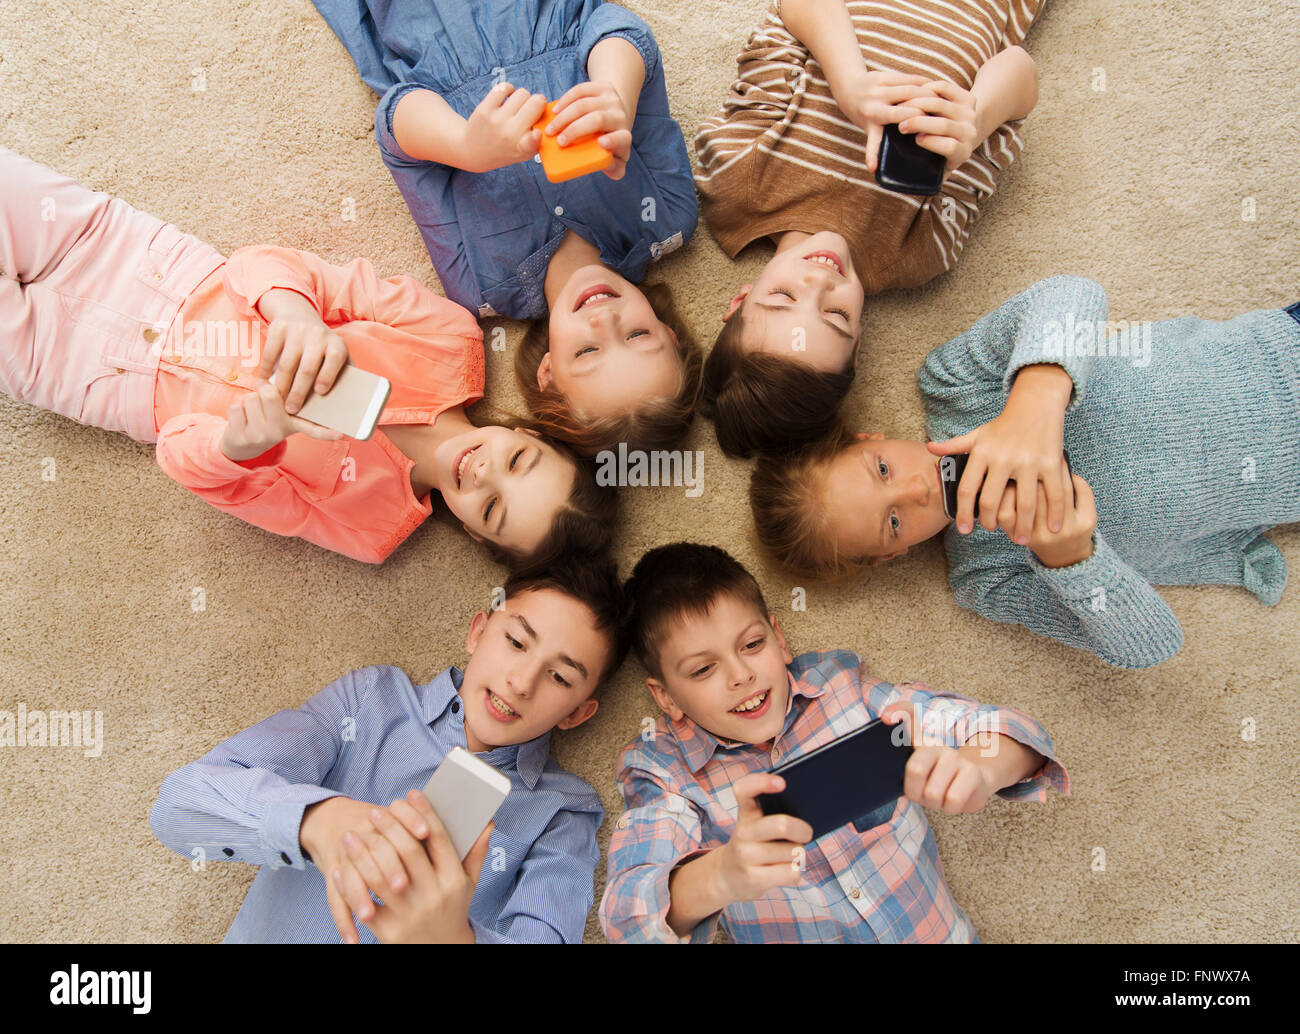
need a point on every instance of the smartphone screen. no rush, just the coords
(466, 792)
(842, 781)
(352, 405)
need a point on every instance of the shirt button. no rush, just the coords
(228, 852)
(855, 893)
(559, 210)
(537, 158)
(232, 376)
(624, 822)
(776, 753)
(120, 370)
(455, 707)
(149, 334)
(285, 858)
(157, 276)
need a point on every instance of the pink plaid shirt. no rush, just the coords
(884, 885)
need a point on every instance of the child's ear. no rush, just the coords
(578, 715)
(737, 301)
(786, 655)
(665, 702)
(544, 372)
(876, 561)
(869, 436)
(476, 627)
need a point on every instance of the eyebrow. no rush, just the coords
(564, 658)
(842, 333)
(501, 523)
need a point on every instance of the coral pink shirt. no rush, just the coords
(349, 496)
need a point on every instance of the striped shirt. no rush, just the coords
(781, 155)
(884, 885)
(372, 736)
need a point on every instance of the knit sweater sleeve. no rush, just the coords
(1039, 325)
(1100, 604)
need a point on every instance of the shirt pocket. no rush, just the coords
(101, 345)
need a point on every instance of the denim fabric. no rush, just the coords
(491, 235)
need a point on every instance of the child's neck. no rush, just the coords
(572, 254)
(419, 442)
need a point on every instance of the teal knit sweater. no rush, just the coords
(1188, 431)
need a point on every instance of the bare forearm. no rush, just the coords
(1045, 386)
(427, 129)
(1007, 761)
(615, 61)
(693, 896)
(825, 28)
(1005, 89)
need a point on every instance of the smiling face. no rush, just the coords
(881, 496)
(533, 666)
(726, 671)
(504, 485)
(808, 294)
(609, 352)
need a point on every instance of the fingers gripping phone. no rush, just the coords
(466, 792)
(352, 405)
(904, 166)
(951, 469)
(846, 780)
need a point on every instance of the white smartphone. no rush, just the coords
(466, 792)
(353, 404)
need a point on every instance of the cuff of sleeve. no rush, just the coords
(612, 20)
(270, 458)
(1077, 584)
(1061, 322)
(388, 145)
(282, 822)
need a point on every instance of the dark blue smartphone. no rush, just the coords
(904, 166)
(843, 781)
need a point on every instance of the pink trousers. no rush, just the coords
(90, 289)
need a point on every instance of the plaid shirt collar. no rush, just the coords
(699, 745)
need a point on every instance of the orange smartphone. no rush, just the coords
(567, 163)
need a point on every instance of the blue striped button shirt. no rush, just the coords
(372, 736)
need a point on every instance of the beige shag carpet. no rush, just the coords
(1140, 185)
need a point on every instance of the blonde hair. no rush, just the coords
(657, 423)
(785, 495)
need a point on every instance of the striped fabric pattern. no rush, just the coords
(780, 155)
(373, 735)
(885, 885)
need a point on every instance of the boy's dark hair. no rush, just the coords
(657, 424)
(583, 525)
(681, 580)
(763, 403)
(785, 495)
(592, 580)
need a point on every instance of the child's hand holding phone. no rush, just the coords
(594, 108)
(301, 354)
(408, 861)
(1073, 543)
(874, 99)
(947, 124)
(500, 131)
(324, 826)
(258, 423)
(1023, 444)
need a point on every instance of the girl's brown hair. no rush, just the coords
(657, 424)
(582, 526)
(761, 403)
(785, 494)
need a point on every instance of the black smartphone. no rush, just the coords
(951, 469)
(905, 166)
(844, 780)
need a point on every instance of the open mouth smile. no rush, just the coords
(752, 707)
(828, 259)
(498, 708)
(594, 295)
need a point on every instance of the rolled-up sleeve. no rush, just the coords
(613, 20)
(658, 831)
